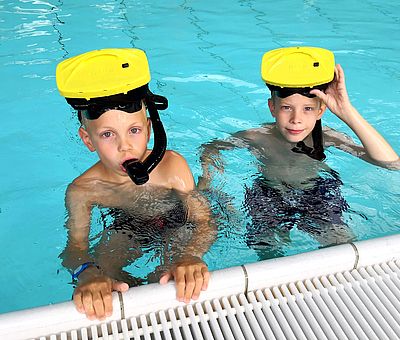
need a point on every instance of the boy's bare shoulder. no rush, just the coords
(332, 134)
(173, 171)
(173, 156)
(252, 137)
(87, 187)
(87, 178)
(175, 160)
(254, 132)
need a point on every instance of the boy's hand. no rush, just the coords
(191, 276)
(335, 96)
(93, 296)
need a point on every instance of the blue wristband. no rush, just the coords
(78, 271)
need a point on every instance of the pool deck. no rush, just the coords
(349, 291)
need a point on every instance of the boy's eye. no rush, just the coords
(135, 130)
(106, 134)
(308, 108)
(285, 107)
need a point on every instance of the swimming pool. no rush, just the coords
(205, 59)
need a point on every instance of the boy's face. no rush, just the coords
(295, 115)
(117, 136)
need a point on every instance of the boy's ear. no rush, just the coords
(86, 139)
(321, 110)
(148, 129)
(271, 106)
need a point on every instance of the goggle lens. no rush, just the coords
(283, 93)
(95, 110)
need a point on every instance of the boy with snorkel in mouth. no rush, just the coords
(149, 194)
(294, 188)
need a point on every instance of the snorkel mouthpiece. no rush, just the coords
(136, 171)
(101, 80)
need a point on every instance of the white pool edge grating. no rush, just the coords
(349, 291)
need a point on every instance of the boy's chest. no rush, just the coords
(135, 200)
(281, 165)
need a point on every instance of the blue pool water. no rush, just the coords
(205, 58)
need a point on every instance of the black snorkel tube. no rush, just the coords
(317, 152)
(139, 171)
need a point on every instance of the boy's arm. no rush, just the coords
(345, 143)
(92, 295)
(190, 273)
(189, 270)
(78, 224)
(210, 155)
(376, 149)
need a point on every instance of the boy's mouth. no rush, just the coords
(125, 163)
(294, 132)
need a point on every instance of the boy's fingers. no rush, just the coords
(319, 94)
(78, 302)
(94, 298)
(190, 285)
(190, 280)
(165, 278)
(107, 300)
(98, 305)
(180, 282)
(120, 286)
(339, 74)
(339, 70)
(206, 277)
(336, 71)
(323, 96)
(88, 304)
(198, 277)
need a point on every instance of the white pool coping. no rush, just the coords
(41, 322)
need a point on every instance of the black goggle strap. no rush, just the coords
(160, 102)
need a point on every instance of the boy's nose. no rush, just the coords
(296, 116)
(124, 144)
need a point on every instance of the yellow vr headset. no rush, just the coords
(292, 70)
(102, 80)
(97, 81)
(102, 73)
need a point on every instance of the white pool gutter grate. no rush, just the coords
(360, 303)
(357, 304)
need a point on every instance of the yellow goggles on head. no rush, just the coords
(292, 70)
